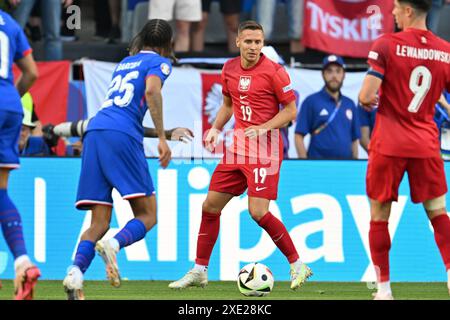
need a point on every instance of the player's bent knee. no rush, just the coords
(257, 214)
(207, 206)
(435, 204)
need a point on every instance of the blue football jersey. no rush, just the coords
(125, 106)
(13, 46)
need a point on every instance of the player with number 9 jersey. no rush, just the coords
(414, 66)
(410, 70)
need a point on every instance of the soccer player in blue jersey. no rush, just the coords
(14, 47)
(113, 154)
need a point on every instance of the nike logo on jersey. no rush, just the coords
(260, 189)
(324, 112)
(242, 97)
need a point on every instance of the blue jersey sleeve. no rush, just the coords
(304, 118)
(22, 46)
(161, 69)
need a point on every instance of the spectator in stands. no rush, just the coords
(265, 14)
(230, 10)
(68, 32)
(184, 11)
(434, 15)
(115, 10)
(329, 117)
(31, 145)
(102, 20)
(51, 19)
(366, 121)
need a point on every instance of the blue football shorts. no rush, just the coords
(112, 159)
(10, 126)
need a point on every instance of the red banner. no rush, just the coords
(346, 27)
(50, 93)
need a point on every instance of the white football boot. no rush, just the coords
(73, 284)
(194, 278)
(107, 252)
(299, 275)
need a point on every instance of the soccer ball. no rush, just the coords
(255, 280)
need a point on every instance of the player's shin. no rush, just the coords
(280, 236)
(380, 244)
(133, 231)
(207, 237)
(11, 225)
(441, 226)
(85, 254)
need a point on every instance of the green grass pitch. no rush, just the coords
(227, 290)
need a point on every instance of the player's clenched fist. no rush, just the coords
(211, 139)
(164, 153)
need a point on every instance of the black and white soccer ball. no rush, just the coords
(255, 280)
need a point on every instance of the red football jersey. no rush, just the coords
(415, 68)
(256, 94)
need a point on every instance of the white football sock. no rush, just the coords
(200, 268)
(21, 260)
(114, 244)
(296, 264)
(384, 287)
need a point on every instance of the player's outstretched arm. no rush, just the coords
(282, 119)
(29, 73)
(176, 134)
(368, 96)
(153, 98)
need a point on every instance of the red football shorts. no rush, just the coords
(235, 176)
(384, 173)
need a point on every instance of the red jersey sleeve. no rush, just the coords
(283, 87)
(225, 91)
(378, 57)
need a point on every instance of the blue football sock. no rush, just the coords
(85, 254)
(11, 225)
(133, 231)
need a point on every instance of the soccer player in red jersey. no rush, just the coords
(253, 89)
(410, 69)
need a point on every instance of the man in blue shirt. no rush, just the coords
(14, 48)
(366, 121)
(329, 117)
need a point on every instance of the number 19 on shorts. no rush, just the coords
(260, 175)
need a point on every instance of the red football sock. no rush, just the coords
(280, 236)
(380, 244)
(441, 226)
(207, 236)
